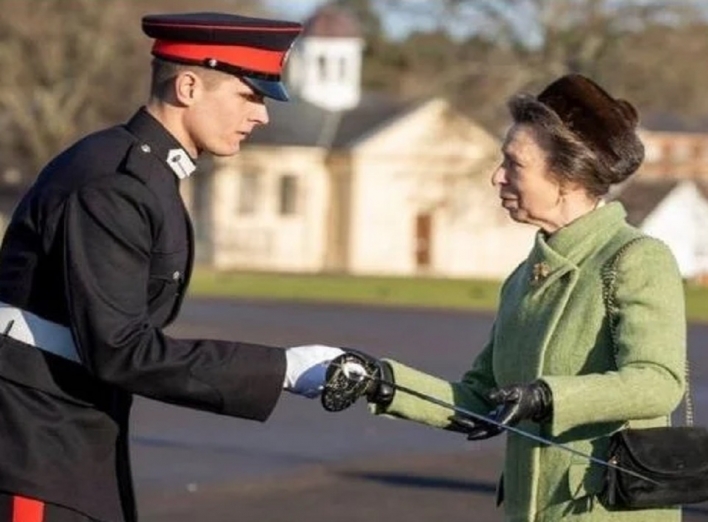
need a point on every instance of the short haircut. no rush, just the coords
(164, 73)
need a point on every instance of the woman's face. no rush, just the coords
(527, 188)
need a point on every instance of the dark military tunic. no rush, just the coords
(102, 243)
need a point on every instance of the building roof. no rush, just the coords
(668, 122)
(332, 22)
(299, 123)
(640, 197)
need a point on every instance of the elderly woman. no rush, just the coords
(558, 364)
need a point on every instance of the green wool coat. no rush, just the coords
(552, 324)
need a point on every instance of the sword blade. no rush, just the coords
(513, 429)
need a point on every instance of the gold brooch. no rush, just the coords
(540, 272)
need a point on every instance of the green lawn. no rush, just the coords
(697, 303)
(427, 292)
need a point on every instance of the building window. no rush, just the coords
(697, 151)
(288, 195)
(652, 152)
(322, 67)
(342, 69)
(681, 152)
(667, 151)
(249, 193)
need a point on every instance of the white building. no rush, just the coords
(348, 181)
(675, 211)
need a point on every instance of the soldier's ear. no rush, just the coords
(186, 87)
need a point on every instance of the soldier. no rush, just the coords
(96, 262)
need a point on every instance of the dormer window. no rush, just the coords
(322, 68)
(342, 68)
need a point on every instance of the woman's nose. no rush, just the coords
(498, 176)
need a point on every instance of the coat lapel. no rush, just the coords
(537, 294)
(530, 309)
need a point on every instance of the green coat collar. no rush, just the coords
(576, 240)
(553, 256)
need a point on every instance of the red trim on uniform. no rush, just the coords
(27, 509)
(258, 60)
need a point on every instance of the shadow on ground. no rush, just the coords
(423, 482)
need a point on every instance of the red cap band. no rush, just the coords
(258, 60)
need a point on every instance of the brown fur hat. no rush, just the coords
(605, 124)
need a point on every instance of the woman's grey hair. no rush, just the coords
(570, 158)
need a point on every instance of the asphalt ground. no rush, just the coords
(413, 489)
(305, 464)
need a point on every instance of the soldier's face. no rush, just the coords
(528, 190)
(224, 114)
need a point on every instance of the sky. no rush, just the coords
(422, 15)
(395, 25)
(298, 9)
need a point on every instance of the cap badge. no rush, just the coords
(180, 163)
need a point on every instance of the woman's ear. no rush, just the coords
(566, 186)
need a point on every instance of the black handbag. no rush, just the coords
(675, 459)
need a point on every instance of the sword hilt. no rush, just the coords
(348, 378)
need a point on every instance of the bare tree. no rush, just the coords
(70, 66)
(522, 44)
(53, 65)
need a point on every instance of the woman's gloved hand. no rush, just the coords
(523, 402)
(474, 428)
(515, 403)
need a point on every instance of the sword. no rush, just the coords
(484, 418)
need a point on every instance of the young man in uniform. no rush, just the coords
(95, 263)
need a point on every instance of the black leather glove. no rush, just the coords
(475, 429)
(514, 403)
(356, 374)
(532, 401)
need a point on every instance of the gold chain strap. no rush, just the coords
(609, 278)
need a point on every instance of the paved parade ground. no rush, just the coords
(306, 464)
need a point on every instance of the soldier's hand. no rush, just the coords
(306, 368)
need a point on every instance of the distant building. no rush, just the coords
(668, 197)
(675, 211)
(674, 148)
(349, 181)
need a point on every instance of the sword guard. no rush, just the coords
(344, 387)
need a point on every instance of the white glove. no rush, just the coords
(306, 368)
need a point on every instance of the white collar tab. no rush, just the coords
(180, 163)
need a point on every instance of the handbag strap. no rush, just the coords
(609, 278)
